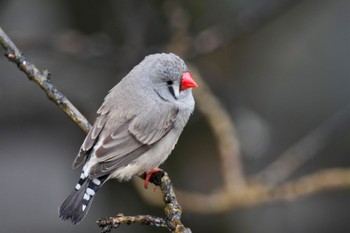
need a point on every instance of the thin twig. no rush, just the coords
(107, 224)
(172, 208)
(42, 78)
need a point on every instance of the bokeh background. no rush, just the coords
(281, 68)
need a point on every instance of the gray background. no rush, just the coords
(282, 74)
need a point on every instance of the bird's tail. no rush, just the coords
(77, 204)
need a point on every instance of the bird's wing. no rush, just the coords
(153, 124)
(130, 140)
(90, 140)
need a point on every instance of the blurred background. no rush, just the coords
(280, 67)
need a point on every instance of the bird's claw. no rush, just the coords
(149, 175)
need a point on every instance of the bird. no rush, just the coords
(137, 127)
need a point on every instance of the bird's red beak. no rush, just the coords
(187, 81)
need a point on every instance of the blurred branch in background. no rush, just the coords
(217, 36)
(172, 208)
(225, 133)
(257, 193)
(304, 150)
(204, 42)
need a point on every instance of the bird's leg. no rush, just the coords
(149, 175)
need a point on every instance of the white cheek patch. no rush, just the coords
(83, 207)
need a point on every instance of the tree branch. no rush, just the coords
(172, 210)
(222, 200)
(224, 131)
(304, 150)
(42, 78)
(107, 224)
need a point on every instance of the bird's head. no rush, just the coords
(167, 75)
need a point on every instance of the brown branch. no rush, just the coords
(304, 150)
(224, 131)
(42, 78)
(172, 208)
(255, 193)
(107, 224)
(216, 115)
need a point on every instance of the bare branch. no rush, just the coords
(172, 210)
(255, 193)
(218, 118)
(225, 133)
(107, 224)
(304, 150)
(42, 78)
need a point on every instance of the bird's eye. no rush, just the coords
(169, 82)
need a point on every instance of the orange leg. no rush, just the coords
(149, 174)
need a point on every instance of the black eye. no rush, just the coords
(169, 82)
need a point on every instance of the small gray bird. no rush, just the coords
(138, 126)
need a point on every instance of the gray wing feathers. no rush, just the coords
(106, 167)
(148, 130)
(90, 140)
(117, 144)
(118, 149)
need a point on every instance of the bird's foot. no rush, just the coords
(149, 175)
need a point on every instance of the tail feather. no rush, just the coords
(77, 204)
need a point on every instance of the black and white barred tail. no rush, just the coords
(77, 204)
